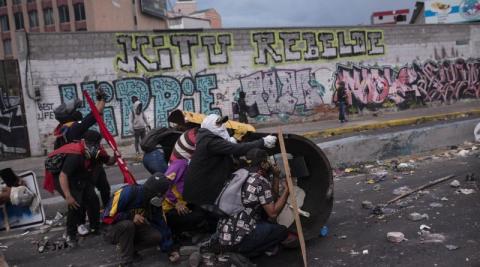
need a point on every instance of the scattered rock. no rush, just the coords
(395, 237)
(466, 191)
(427, 237)
(425, 227)
(349, 200)
(405, 166)
(451, 247)
(417, 216)
(444, 199)
(377, 187)
(436, 205)
(401, 190)
(354, 253)
(342, 237)
(455, 184)
(463, 153)
(367, 205)
(474, 148)
(365, 252)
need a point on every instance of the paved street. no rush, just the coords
(352, 229)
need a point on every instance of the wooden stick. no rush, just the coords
(431, 183)
(5, 218)
(293, 198)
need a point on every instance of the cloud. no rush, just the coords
(288, 13)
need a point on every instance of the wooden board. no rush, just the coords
(293, 199)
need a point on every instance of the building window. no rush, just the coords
(3, 2)
(63, 14)
(4, 23)
(33, 18)
(31, 1)
(19, 21)
(17, 2)
(79, 11)
(400, 18)
(7, 47)
(48, 16)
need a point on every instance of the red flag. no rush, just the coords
(127, 175)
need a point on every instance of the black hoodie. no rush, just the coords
(211, 166)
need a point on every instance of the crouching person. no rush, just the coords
(136, 219)
(245, 231)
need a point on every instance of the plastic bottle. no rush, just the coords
(324, 231)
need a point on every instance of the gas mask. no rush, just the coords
(92, 151)
(157, 201)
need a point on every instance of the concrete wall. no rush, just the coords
(290, 74)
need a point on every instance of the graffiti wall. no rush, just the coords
(287, 75)
(443, 81)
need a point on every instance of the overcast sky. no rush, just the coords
(278, 13)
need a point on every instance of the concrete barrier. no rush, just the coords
(371, 147)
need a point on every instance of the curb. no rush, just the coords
(390, 123)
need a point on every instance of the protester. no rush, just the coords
(71, 128)
(76, 183)
(242, 108)
(212, 162)
(342, 101)
(154, 159)
(139, 122)
(135, 219)
(246, 231)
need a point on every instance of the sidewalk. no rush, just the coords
(374, 121)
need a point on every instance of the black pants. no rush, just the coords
(84, 194)
(139, 135)
(101, 183)
(196, 220)
(264, 236)
(132, 237)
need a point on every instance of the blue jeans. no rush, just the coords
(342, 108)
(154, 161)
(264, 236)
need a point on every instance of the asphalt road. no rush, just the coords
(353, 230)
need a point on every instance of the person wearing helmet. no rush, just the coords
(135, 219)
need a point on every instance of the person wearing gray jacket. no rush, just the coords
(139, 122)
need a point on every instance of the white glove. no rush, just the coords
(232, 140)
(269, 141)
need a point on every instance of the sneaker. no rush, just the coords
(272, 251)
(72, 242)
(83, 230)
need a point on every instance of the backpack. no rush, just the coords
(54, 163)
(230, 199)
(153, 138)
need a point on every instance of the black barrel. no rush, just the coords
(318, 185)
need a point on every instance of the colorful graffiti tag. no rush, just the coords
(282, 91)
(167, 93)
(432, 81)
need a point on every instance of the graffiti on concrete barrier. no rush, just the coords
(274, 47)
(162, 52)
(431, 81)
(282, 91)
(165, 93)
